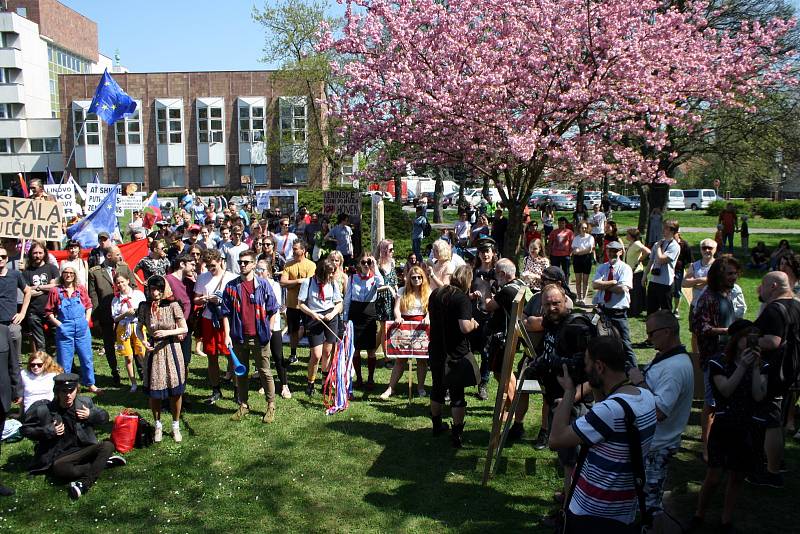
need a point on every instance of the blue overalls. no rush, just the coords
(74, 336)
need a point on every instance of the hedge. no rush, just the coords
(768, 209)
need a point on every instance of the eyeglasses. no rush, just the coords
(36, 364)
(707, 248)
(243, 262)
(67, 272)
(3, 256)
(651, 332)
(284, 226)
(236, 233)
(194, 253)
(391, 250)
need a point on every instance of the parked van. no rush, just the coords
(675, 200)
(698, 199)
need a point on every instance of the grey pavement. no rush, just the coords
(693, 230)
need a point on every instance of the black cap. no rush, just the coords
(738, 325)
(553, 274)
(486, 243)
(65, 382)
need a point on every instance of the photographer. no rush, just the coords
(64, 431)
(603, 494)
(661, 269)
(670, 377)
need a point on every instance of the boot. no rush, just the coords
(438, 425)
(456, 434)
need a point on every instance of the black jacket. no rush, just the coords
(10, 387)
(39, 426)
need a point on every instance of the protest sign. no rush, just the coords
(270, 199)
(95, 193)
(407, 340)
(22, 218)
(65, 195)
(335, 202)
(130, 202)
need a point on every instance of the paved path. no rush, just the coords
(691, 230)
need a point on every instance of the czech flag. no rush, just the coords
(23, 186)
(152, 211)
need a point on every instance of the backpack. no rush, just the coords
(427, 229)
(145, 434)
(578, 329)
(789, 370)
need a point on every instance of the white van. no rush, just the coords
(698, 199)
(675, 200)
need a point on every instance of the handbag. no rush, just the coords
(123, 435)
(214, 309)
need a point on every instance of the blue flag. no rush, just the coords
(50, 180)
(110, 102)
(96, 178)
(103, 219)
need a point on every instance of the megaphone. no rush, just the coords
(238, 368)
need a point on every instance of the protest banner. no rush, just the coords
(335, 202)
(26, 219)
(270, 199)
(408, 339)
(130, 202)
(65, 195)
(95, 193)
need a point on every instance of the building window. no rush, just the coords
(294, 174)
(169, 126)
(258, 173)
(62, 62)
(251, 123)
(209, 124)
(171, 177)
(6, 146)
(293, 120)
(46, 145)
(131, 175)
(5, 111)
(22, 12)
(90, 135)
(129, 130)
(88, 175)
(212, 176)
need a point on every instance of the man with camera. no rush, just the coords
(612, 284)
(64, 431)
(663, 257)
(614, 437)
(670, 377)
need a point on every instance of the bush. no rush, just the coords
(768, 209)
(742, 207)
(791, 209)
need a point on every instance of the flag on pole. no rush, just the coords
(110, 102)
(50, 180)
(78, 188)
(96, 178)
(152, 211)
(102, 219)
(23, 186)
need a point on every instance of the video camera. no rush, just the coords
(572, 340)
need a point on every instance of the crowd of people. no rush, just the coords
(218, 285)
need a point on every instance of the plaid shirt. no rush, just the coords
(265, 305)
(713, 310)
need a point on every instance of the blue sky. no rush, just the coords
(178, 35)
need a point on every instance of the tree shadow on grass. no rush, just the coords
(440, 482)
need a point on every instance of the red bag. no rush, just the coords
(123, 435)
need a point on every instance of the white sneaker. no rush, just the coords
(176, 435)
(159, 434)
(386, 394)
(285, 393)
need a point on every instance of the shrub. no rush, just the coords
(742, 207)
(769, 209)
(791, 209)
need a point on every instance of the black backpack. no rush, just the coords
(789, 371)
(427, 229)
(145, 434)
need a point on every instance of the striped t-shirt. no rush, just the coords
(605, 484)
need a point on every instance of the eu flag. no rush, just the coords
(102, 219)
(110, 102)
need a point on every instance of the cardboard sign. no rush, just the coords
(407, 340)
(65, 195)
(269, 199)
(130, 202)
(22, 218)
(336, 202)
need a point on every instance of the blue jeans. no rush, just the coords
(620, 320)
(416, 246)
(727, 239)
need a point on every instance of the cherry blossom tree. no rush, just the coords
(519, 90)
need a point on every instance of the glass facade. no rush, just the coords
(59, 61)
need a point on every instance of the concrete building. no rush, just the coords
(39, 40)
(200, 130)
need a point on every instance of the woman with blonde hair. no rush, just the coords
(37, 379)
(411, 305)
(339, 276)
(439, 273)
(387, 294)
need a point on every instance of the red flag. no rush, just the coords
(131, 252)
(152, 211)
(23, 186)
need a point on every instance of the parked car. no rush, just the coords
(590, 198)
(622, 203)
(675, 200)
(410, 197)
(535, 199)
(698, 199)
(450, 200)
(562, 202)
(636, 198)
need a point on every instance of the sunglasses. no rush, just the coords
(3, 256)
(366, 262)
(707, 248)
(244, 262)
(416, 278)
(36, 364)
(651, 332)
(267, 243)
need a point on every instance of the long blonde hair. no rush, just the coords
(410, 293)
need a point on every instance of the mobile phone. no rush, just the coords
(752, 341)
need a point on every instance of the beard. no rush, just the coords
(594, 379)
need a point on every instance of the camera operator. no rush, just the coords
(603, 496)
(612, 284)
(661, 268)
(64, 431)
(670, 377)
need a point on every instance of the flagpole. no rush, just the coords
(72, 153)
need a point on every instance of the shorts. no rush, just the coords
(317, 334)
(655, 470)
(708, 392)
(768, 413)
(127, 344)
(294, 319)
(582, 264)
(213, 339)
(677, 283)
(730, 446)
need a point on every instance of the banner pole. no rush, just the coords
(72, 153)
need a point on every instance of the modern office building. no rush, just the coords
(200, 130)
(39, 39)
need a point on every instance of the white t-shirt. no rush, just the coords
(416, 309)
(206, 286)
(598, 222)
(119, 305)
(36, 387)
(462, 230)
(284, 244)
(672, 383)
(579, 242)
(232, 256)
(277, 290)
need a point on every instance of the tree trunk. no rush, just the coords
(644, 208)
(514, 232)
(398, 189)
(461, 199)
(485, 189)
(437, 196)
(580, 196)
